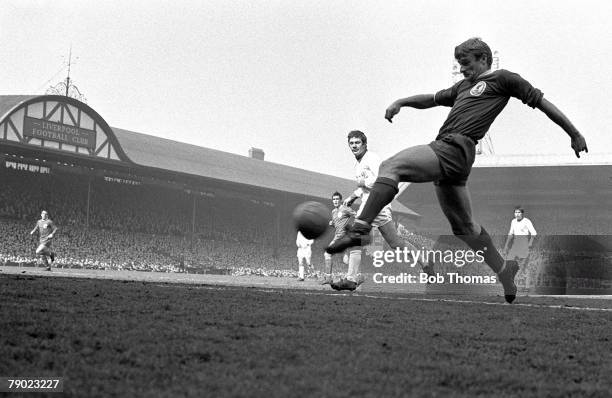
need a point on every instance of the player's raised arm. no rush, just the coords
(419, 101)
(554, 114)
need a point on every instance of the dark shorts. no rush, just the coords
(456, 154)
(46, 243)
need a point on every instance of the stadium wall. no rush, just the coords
(570, 207)
(571, 200)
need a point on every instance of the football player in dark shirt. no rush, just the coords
(341, 214)
(46, 231)
(475, 102)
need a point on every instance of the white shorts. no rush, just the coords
(304, 254)
(519, 249)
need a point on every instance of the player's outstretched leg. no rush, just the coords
(358, 234)
(415, 164)
(456, 204)
(506, 271)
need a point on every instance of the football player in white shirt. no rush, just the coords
(304, 254)
(366, 171)
(521, 236)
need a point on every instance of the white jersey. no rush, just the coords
(366, 173)
(521, 228)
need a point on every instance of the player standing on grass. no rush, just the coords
(521, 235)
(46, 231)
(304, 254)
(341, 214)
(475, 102)
(366, 172)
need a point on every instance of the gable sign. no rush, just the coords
(48, 130)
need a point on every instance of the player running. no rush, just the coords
(475, 102)
(46, 231)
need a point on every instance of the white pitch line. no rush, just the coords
(564, 307)
(319, 293)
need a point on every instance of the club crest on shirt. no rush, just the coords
(478, 89)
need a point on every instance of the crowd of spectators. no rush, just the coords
(141, 226)
(74, 199)
(79, 247)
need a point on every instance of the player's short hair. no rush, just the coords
(476, 47)
(358, 134)
(519, 208)
(337, 194)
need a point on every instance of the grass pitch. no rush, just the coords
(126, 338)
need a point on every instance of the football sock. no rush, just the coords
(301, 272)
(484, 244)
(354, 265)
(381, 194)
(349, 274)
(328, 265)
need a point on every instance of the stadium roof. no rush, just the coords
(8, 102)
(172, 155)
(163, 153)
(160, 153)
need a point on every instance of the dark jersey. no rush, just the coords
(341, 217)
(475, 105)
(45, 228)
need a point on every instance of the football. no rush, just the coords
(311, 219)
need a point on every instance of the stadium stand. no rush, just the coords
(125, 200)
(137, 227)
